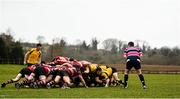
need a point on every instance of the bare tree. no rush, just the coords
(110, 43)
(84, 45)
(63, 42)
(94, 43)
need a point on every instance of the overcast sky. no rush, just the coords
(155, 21)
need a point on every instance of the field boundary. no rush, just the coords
(151, 69)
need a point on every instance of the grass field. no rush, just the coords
(159, 86)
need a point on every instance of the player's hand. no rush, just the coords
(25, 63)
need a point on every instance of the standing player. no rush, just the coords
(33, 56)
(133, 55)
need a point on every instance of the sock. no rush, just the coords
(9, 81)
(119, 81)
(25, 82)
(40, 83)
(125, 79)
(141, 77)
(51, 83)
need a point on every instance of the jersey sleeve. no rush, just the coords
(30, 51)
(125, 53)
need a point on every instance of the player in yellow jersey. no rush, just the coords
(91, 68)
(107, 75)
(89, 74)
(33, 56)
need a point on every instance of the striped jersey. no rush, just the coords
(132, 51)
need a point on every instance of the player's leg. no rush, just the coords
(57, 79)
(126, 72)
(49, 78)
(23, 82)
(40, 74)
(67, 81)
(139, 72)
(115, 76)
(42, 81)
(18, 77)
(51, 82)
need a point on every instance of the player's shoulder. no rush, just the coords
(31, 50)
(138, 48)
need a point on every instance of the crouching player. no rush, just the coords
(89, 74)
(36, 78)
(105, 75)
(24, 73)
(66, 73)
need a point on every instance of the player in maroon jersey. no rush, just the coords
(66, 73)
(24, 73)
(59, 60)
(36, 78)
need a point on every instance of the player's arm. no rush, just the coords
(31, 76)
(107, 82)
(140, 52)
(106, 79)
(26, 56)
(82, 80)
(87, 70)
(98, 80)
(39, 60)
(125, 53)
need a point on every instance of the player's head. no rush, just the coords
(57, 58)
(131, 44)
(43, 62)
(38, 46)
(98, 70)
(82, 69)
(71, 59)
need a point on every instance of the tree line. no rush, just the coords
(111, 53)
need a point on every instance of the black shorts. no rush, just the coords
(25, 71)
(114, 70)
(62, 73)
(133, 63)
(40, 71)
(54, 72)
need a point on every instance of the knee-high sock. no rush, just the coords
(125, 78)
(9, 81)
(141, 77)
(25, 82)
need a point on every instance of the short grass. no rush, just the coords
(159, 86)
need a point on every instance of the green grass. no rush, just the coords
(159, 86)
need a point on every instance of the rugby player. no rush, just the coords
(107, 75)
(24, 73)
(133, 55)
(33, 56)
